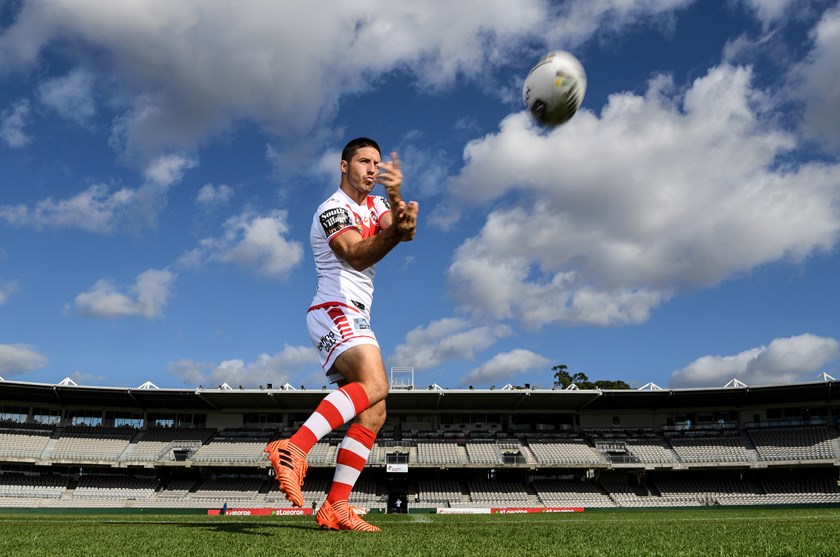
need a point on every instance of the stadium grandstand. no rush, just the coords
(71, 446)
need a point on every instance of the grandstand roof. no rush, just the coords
(426, 400)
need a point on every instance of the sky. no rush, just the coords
(160, 164)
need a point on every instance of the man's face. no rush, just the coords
(361, 170)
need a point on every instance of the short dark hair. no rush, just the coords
(355, 144)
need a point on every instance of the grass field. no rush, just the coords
(703, 532)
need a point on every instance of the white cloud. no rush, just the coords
(85, 378)
(784, 360)
(190, 371)
(277, 369)
(20, 359)
(661, 193)
(503, 367)
(446, 340)
(211, 196)
(747, 48)
(146, 298)
(95, 209)
(427, 169)
(816, 82)
(580, 21)
(256, 242)
(166, 170)
(182, 71)
(7, 288)
(770, 12)
(70, 96)
(13, 120)
(100, 210)
(160, 175)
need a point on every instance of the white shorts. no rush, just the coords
(335, 327)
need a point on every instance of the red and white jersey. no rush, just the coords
(337, 280)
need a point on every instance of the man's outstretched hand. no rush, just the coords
(405, 220)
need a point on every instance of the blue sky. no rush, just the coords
(161, 162)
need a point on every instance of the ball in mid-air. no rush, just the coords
(554, 88)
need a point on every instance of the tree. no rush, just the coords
(611, 385)
(562, 380)
(581, 380)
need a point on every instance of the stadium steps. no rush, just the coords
(129, 448)
(641, 489)
(465, 493)
(750, 446)
(47, 454)
(528, 455)
(835, 441)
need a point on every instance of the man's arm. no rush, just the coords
(362, 253)
(390, 176)
(396, 226)
(402, 214)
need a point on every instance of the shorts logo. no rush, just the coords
(361, 324)
(335, 219)
(327, 342)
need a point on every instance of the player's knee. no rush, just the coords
(373, 418)
(379, 415)
(363, 364)
(376, 387)
(377, 391)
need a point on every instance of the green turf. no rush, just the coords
(704, 532)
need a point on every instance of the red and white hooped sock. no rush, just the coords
(353, 453)
(337, 408)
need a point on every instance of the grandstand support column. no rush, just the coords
(199, 393)
(522, 397)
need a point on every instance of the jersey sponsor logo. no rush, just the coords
(361, 324)
(335, 219)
